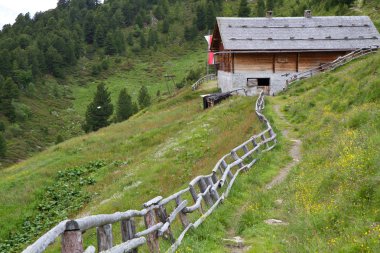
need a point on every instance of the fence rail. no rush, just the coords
(206, 78)
(332, 65)
(205, 191)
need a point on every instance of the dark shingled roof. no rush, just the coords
(296, 33)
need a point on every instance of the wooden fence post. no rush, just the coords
(182, 215)
(128, 231)
(152, 238)
(195, 197)
(214, 194)
(163, 216)
(105, 238)
(72, 238)
(203, 187)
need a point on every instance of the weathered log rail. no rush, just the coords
(331, 65)
(205, 191)
(206, 78)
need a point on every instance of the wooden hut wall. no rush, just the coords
(253, 62)
(224, 61)
(315, 59)
(286, 62)
(276, 62)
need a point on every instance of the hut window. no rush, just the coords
(263, 81)
(253, 82)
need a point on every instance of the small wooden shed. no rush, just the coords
(259, 53)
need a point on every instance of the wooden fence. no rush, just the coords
(332, 65)
(202, 80)
(205, 192)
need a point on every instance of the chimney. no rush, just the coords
(307, 14)
(269, 14)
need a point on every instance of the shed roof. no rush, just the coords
(335, 33)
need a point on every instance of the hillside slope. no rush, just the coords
(119, 167)
(331, 199)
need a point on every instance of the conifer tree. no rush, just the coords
(210, 15)
(99, 110)
(244, 9)
(270, 5)
(201, 18)
(165, 26)
(260, 8)
(124, 108)
(142, 41)
(144, 97)
(3, 146)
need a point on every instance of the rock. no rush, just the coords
(279, 202)
(275, 222)
(236, 241)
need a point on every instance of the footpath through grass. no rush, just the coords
(331, 199)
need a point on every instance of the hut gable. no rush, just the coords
(341, 33)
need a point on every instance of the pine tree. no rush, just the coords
(142, 41)
(124, 108)
(144, 97)
(210, 15)
(270, 5)
(3, 146)
(244, 9)
(261, 8)
(201, 18)
(99, 110)
(165, 26)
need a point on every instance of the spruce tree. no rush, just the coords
(210, 15)
(270, 5)
(124, 108)
(99, 110)
(201, 18)
(3, 146)
(260, 8)
(144, 97)
(244, 9)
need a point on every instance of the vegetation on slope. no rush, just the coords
(331, 199)
(50, 56)
(171, 141)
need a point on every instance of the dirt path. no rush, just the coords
(295, 152)
(234, 244)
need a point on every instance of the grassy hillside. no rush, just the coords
(331, 199)
(52, 104)
(173, 141)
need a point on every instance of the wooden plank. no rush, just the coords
(105, 238)
(286, 62)
(315, 59)
(253, 62)
(128, 246)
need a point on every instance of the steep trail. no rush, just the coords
(233, 242)
(295, 151)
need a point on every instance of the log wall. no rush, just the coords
(316, 59)
(278, 62)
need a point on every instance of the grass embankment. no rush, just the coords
(331, 199)
(154, 153)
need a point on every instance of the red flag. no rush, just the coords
(210, 54)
